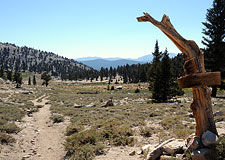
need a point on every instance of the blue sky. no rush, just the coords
(104, 28)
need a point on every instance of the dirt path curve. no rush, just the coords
(39, 139)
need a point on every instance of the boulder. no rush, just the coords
(218, 113)
(132, 153)
(147, 148)
(165, 157)
(203, 154)
(157, 151)
(209, 139)
(175, 146)
(193, 143)
(108, 103)
(119, 87)
(27, 92)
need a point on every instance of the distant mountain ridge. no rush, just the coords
(98, 62)
(25, 59)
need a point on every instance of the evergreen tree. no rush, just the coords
(101, 73)
(29, 81)
(166, 76)
(34, 80)
(1, 71)
(18, 79)
(46, 78)
(214, 32)
(9, 75)
(155, 66)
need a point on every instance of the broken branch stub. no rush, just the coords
(195, 78)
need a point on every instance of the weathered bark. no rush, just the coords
(199, 80)
(201, 105)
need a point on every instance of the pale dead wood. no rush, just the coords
(201, 106)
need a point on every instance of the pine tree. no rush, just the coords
(18, 79)
(154, 68)
(166, 76)
(1, 71)
(34, 80)
(29, 81)
(9, 75)
(101, 73)
(46, 77)
(214, 32)
(165, 83)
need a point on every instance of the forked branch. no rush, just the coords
(187, 47)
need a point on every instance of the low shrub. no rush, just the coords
(57, 118)
(220, 148)
(137, 90)
(112, 88)
(6, 138)
(72, 128)
(146, 131)
(84, 145)
(9, 128)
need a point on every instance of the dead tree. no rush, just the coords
(195, 75)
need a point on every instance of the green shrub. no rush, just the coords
(220, 148)
(137, 90)
(2, 121)
(146, 131)
(72, 128)
(123, 141)
(6, 138)
(83, 145)
(9, 128)
(112, 88)
(57, 118)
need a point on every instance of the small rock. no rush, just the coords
(179, 156)
(218, 113)
(108, 103)
(203, 154)
(191, 115)
(147, 148)
(139, 152)
(153, 115)
(175, 146)
(132, 153)
(165, 157)
(193, 143)
(157, 151)
(209, 139)
(119, 87)
(27, 92)
(154, 154)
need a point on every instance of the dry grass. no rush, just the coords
(94, 127)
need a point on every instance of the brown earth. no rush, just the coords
(39, 138)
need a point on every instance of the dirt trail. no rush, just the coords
(39, 139)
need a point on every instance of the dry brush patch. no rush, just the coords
(121, 124)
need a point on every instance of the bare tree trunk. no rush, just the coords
(195, 77)
(214, 91)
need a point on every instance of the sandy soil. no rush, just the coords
(39, 139)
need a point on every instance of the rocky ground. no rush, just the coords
(42, 139)
(39, 138)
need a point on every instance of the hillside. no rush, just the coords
(24, 59)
